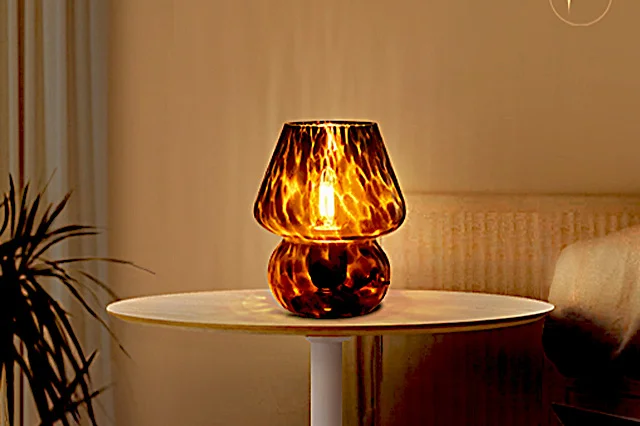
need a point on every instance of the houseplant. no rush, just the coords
(36, 333)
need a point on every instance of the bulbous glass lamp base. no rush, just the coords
(329, 279)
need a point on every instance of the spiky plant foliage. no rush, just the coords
(36, 334)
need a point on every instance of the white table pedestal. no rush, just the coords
(326, 380)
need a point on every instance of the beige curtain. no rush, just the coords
(53, 127)
(9, 130)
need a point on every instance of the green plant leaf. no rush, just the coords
(99, 283)
(102, 259)
(53, 360)
(60, 238)
(5, 219)
(12, 204)
(23, 212)
(68, 282)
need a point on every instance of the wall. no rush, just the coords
(471, 95)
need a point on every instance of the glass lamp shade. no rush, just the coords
(329, 191)
(330, 181)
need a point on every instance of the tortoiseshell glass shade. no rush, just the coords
(329, 191)
(330, 181)
(329, 280)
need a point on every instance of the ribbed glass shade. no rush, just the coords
(330, 181)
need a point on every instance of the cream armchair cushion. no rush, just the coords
(596, 291)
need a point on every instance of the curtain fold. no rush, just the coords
(9, 99)
(53, 129)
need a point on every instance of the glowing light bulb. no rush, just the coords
(326, 186)
(580, 13)
(327, 199)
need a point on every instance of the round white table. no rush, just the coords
(402, 312)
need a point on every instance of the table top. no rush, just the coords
(401, 312)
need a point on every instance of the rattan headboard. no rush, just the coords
(497, 243)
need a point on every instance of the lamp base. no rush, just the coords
(329, 279)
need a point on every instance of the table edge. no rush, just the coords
(348, 330)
